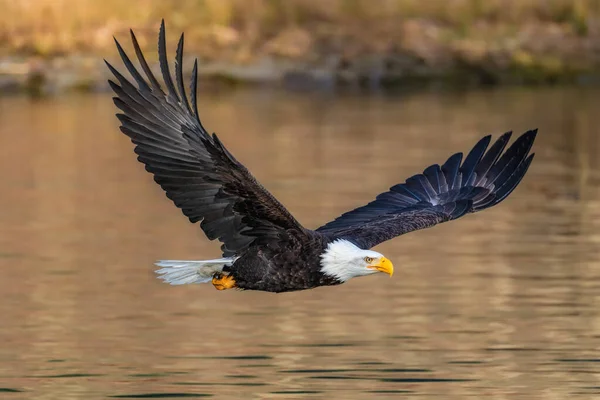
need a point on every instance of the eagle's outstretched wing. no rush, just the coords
(194, 168)
(439, 194)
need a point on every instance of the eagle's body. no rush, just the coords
(264, 246)
(291, 264)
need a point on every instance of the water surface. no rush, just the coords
(503, 304)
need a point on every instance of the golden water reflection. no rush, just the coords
(502, 304)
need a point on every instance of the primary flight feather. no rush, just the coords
(264, 247)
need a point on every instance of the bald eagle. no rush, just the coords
(264, 247)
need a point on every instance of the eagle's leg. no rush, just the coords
(221, 281)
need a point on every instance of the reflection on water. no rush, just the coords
(504, 303)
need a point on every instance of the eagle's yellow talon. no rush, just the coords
(222, 282)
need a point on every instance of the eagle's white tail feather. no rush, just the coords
(182, 272)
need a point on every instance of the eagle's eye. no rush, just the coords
(368, 260)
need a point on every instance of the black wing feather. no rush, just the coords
(436, 177)
(450, 170)
(131, 68)
(491, 156)
(164, 64)
(194, 90)
(472, 160)
(179, 73)
(439, 194)
(144, 64)
(195, 169)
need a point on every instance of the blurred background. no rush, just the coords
(58, 44)
(328, 103)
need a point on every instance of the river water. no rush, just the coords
(503, 304)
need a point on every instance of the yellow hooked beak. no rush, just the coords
(384, 265)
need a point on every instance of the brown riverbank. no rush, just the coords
(48, 46)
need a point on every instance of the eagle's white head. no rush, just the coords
(344, 260)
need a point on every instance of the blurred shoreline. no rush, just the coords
(55, 46)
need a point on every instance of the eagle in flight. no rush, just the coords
(264, 247)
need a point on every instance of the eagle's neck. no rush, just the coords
(338, 257)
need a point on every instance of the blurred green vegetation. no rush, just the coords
(533, 40)
(55, 26)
